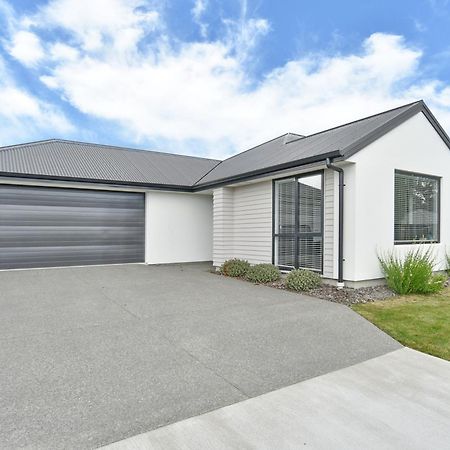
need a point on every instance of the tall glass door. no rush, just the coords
(298, 222)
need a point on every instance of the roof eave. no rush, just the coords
(267, 170)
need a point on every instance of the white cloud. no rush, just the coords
(199, 8)
(95, 22)
(125, 67)
(62, 52)
(197, 12)
(23, 114)
(26, 48)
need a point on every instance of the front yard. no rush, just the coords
(417, 321)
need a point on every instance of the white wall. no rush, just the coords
(178, 227)
(369, 193)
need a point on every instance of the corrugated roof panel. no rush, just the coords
(59, 158)
(278, 151)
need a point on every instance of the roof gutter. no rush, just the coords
(340, 171)
(113, 183)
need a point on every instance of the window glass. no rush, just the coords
(285, 251)
(298, 222)
(285, 196)
(310, 204)
(416, 208)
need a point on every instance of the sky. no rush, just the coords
(213, 78)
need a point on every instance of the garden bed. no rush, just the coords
(345, 296)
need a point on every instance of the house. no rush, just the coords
(328, 202)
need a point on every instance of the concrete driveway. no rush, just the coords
(400, 400)
(93, 355)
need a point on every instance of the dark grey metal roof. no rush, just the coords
(68, 159)
(344, 139)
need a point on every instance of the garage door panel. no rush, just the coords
(61, 236)
(68, 215)
(21, 257)
(45, 227)
(14, 195)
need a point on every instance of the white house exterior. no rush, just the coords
(413, 146)
(67, 203)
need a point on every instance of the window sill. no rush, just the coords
(415, 242)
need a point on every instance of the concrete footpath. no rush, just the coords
(398, 400)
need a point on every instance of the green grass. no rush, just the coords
(421, 322)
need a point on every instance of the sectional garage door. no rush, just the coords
(48, 227)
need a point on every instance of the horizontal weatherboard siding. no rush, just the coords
(243, 223)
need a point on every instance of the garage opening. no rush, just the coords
(51, 227)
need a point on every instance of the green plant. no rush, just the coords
(302, 280)
(447, 256)
(412, 273)
(235, 267)
(263, 273)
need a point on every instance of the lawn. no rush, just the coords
(417, 321)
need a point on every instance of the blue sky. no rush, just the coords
(210, 77)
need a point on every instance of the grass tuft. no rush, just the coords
(412, 273)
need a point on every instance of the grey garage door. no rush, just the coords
(48, 227)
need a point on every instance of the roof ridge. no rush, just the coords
(357, 120)
(116, 147)
(207, 173)
(256, 146)
(132, 149)
(27, 144)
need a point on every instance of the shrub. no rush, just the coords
(411, 274)
(263, 273)
(235, 268)
(448, 263)
(303, 280)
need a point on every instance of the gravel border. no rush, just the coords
(345, 296)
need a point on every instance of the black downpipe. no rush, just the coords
(340, 171)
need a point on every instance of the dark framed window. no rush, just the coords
(416, 208)
(298, 222)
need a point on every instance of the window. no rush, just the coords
(298, 215)
(416, 212)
